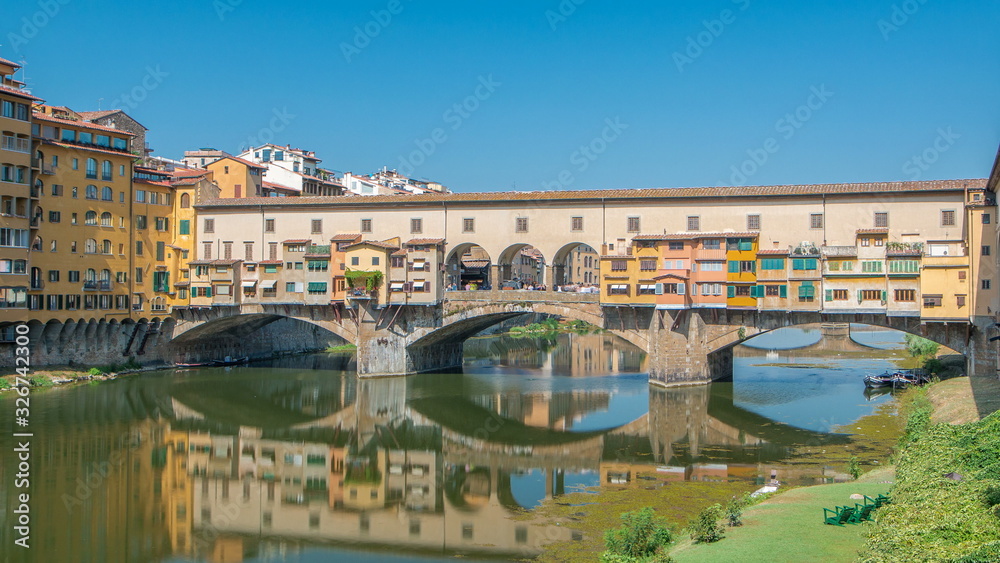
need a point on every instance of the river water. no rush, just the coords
(298, 460)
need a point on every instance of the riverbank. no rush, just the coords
(55, 376)
(949, 428)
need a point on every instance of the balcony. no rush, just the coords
(16, 144)
(105, 285)
(90, 285)
(359, 294)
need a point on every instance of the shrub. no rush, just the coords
(643, 537)
(706, 528)
(854, 467)
(4, 384)
(734, 509)
(95, 371)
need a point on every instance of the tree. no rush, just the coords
(920, 347)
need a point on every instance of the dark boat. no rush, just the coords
(906, 377)
(230, 361)
(873, 381)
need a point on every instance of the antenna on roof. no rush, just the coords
(99, 100)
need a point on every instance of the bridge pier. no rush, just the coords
(685, 349)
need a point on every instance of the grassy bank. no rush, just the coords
(343, 348)
(775, 530)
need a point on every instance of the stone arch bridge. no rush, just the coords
(684, 347)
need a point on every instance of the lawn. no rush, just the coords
(789, 527)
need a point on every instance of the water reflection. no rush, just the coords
(257, 463)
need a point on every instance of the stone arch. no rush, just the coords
(521, 262)
(245, 324)
(563, 265)
(461, 269)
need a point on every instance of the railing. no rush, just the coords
(90, 285)
(16, 144)
(104, 285)
(37, 284)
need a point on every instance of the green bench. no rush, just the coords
(838, 516)
(856, 514)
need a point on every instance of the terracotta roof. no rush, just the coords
(18, 92)
(225, 262)
(424, 241)
(699, 235)
(399, 253)
(189, 172)
(84, 124)
(475, 263)
(92, 115)
(624, 194)
(241, 161)
(877, 231)
(773, 252)
(297, 241)
(345, 237)
(182, 284)
(674, 276)
(87, 148)
(280, 187)
(9, 62)
(270, 262)
(379, 244)
(200, 262)
(163, 183)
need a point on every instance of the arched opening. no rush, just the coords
(574, 266)
(468, 267)
(185, 201)
(521, 266)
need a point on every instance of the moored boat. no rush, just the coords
(230, 361)
(881, 380)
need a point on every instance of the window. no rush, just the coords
(317, 226)
(712, 266)
(986, 251)
(317, 288)
(209, 225)
(576, 224)
(904, 266)
(960, 300)
(676, 245)
(881, 220)
(397, 262)
(106, 219)
(140, 196)
(807, 292)
(366, 225)
(870, 295)
(106, 169)
(468, 225)
(57, 189)
(871, 267)
(772, 264)
(947, 218)
(416, 226)
(91, 168)
(91, 192)
(986, 284)
(90, 219)
(619, 265)
(185, 226)
(53, 275)
(753, 222)
(318, 265)
(986, 217)
(54, 216)
(647, 265)
(375, 261)
(712, 244)
(618, 289)
(804, 263)
(521, 225)
(141, 222)
(775, 291)
(816, 221)
(248, 251)
(836, 295)
(268, 225)
(633, 224)
(355, 261)
(161, 223)
(138, 248)
(907, 295)
(694, 223)
(932, 300)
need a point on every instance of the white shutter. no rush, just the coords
(659, 289)
(681, 288)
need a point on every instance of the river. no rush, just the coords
(298, 460)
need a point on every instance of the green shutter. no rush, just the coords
(731, 291)
(160, 251)
(208, 291)
(829, 295)
(860, 298)
(317, 286)
(810, 264)
(746, 244)
(185, 227)
(797, 264)
(885, 295)
(783, 291)
(734, 267)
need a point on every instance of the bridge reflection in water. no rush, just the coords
(231, 464)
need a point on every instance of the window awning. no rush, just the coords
(395, 286)
(418, 285)
(419, 262)
(250, 283)
(653, 287)
(317, 286)
(619, 286)
(268, 284)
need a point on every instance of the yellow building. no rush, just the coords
(619, 278)
(369, 260)
(190, 188)
(18, 196)
(84, 260)
(741, 277)
(237, 177)
(152, 223)
(982, 234)
(945, 286)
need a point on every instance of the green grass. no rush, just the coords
(343, 348)
(789, 527)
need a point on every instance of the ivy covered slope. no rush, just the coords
(946, 501)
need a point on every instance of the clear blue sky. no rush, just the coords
(927, 81)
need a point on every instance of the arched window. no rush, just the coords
(37, 244)
(91, 275)
(105, 275)
(92, 168)
(91, 192)
(106, 246)
(185, 201)
(106, 170)
(90, 219)
(107, 194)
(106, 219)
(90, 246)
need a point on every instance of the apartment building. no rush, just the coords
(294, 169)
